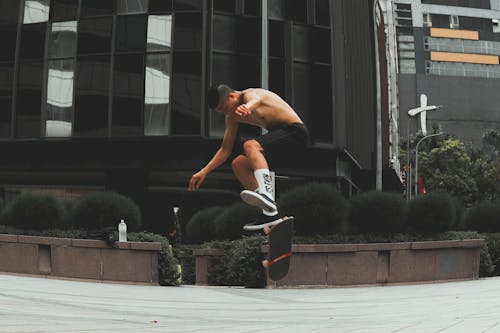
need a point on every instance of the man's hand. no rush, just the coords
(196, 180)
(243, 110)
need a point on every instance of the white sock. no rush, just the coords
(263, 177)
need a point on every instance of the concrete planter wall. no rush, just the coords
(370, 264)
(135, 262)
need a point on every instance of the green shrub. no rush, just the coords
(493, 244)
(377, 213)
(201, 226)
(229, 224)
(105, 209)
(432, 213)
(317, 208)
(168, 274)
(485, 217)
(36, 211)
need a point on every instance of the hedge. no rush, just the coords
(317, 208)
(378, 213)
(432, 213)
(485, 217)
(201, 226)
(98, 210)
(229, 224)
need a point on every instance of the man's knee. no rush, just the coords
(239, 163)
(252, 146)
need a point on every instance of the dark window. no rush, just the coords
(297, 10)
(128, 92)
(63, 10)
(276, 9)
(225, 34)
(97, 7)
(5, 116)
(59, 106)
(159, 33)
(320, 113)
(225, 69)
(33, 41)
(6, 80)
(276, 39)
(186, 95)
(9, 11)
(188, 31)
(249, 35)
(91, 101)
(249, 71)
(301, 88)
(252, 7)
(156, 6)
(131, 6)
(131, 33)
(301, 43)
(63, 40)
(323, 12)
(277, 76)
(29, 99)
(188, 4)
(321, 45)
(227, 6)
(94, 35)
(157, 94)
(8, 34)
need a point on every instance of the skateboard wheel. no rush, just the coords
(267, 230)
(265, 263)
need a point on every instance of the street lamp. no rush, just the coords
(416, 158)
(422, 109)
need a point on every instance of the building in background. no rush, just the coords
(449, 50)
(110, 94)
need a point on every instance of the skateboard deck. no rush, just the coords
(280, 249)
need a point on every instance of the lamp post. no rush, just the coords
(412, 113)
(416, 158)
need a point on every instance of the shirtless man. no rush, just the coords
(286, 132)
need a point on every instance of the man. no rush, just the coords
(286, 132)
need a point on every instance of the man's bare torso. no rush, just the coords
(271, 112)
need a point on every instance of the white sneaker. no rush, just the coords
(264, 221)
(259, 200)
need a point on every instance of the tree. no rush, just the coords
(449, 168)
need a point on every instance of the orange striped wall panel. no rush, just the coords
(455, 33)
(465, 57)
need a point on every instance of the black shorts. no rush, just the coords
(284, 140)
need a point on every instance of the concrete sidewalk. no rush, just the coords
(45, 305)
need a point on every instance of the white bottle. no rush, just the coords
(122, 231)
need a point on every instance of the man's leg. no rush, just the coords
(244, 172)
(264, 197)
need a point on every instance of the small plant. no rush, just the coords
(432, 213)
(317, 208)
(105, 209)
(485, 217)
(377, 213)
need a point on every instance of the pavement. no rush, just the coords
(30, 304)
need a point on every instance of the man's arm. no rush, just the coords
(219, 157)
(251, 102)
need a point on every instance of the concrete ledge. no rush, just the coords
(381, 263)
(131, 262)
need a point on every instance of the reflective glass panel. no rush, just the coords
(188, 31)
(29, 100)
(130, 33)
(6, 81)
(9, 11)
(59, 106)
(276, 9)
(128, 90)
(225, 33)
(157, 94)
(159, 32)
(188, 4)
(131, 6)
(321, 45)
(8, 34)
(5, 116)
(156, 6)
(323, 12)
(249, 35)
(301, 88)
(92, 96)
(252, 7)
(297, 10)
(94, 35)
(276, 39)
(227, 6)
(301, 44)
(33, 41)
(63, 10)
(97, 7)
(321, 116)
(36, 11)
(186, 93)
(63, 40)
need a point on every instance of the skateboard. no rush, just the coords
(280, 248)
